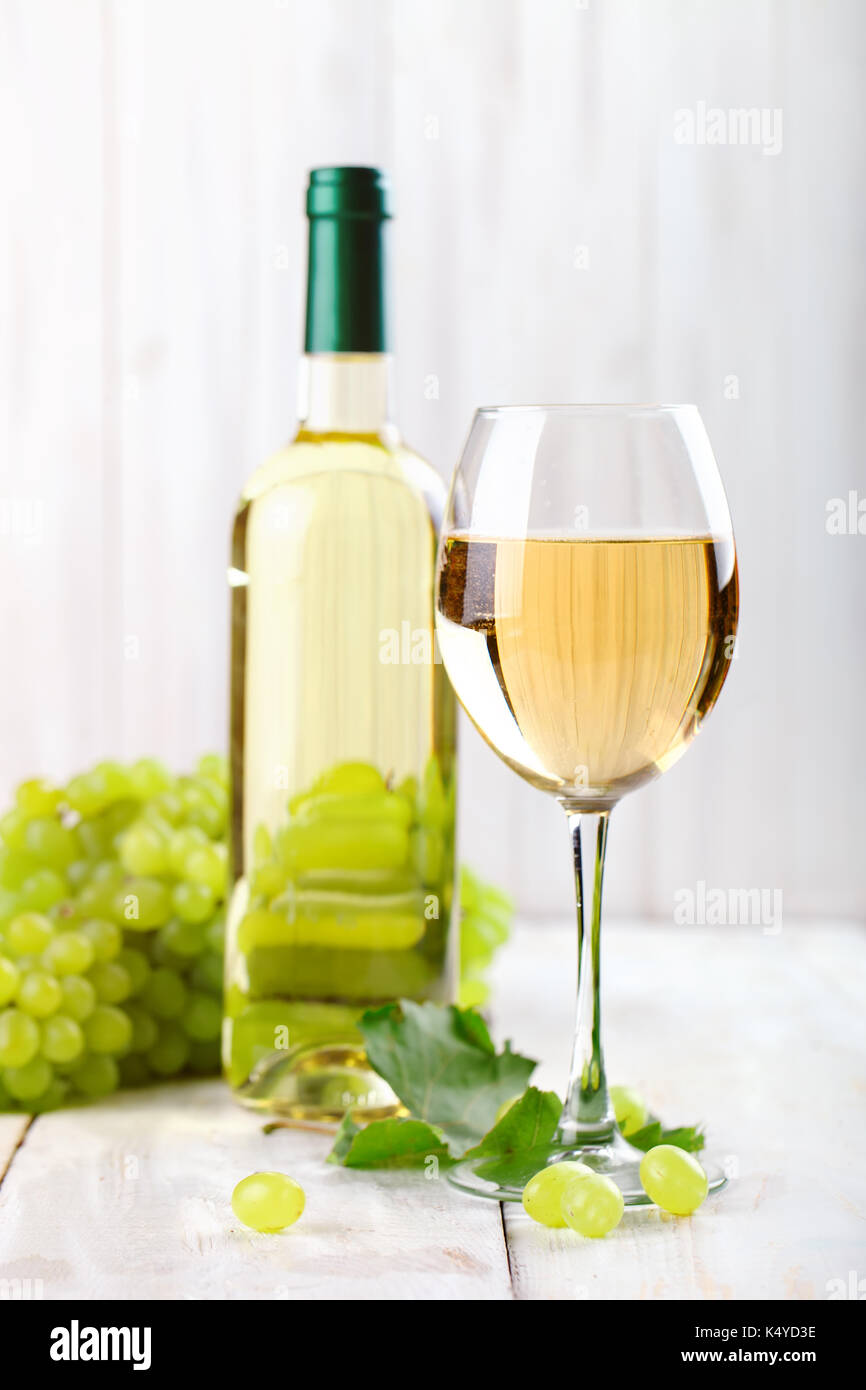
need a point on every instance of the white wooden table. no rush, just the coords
(760, 1036)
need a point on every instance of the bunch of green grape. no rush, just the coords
(112, 894)
(111, 931)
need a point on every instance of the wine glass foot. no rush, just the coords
(503, 1180)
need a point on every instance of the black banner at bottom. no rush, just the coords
(81, 1339)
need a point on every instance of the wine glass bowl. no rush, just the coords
(586, 613)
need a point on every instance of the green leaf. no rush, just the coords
(442, 1064)
(392, 1143)
(520, 1143)
(688, 1137)
(529, 1123)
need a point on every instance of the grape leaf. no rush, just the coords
(519, 1144)
(529, 1123)
(688, 1137)
(391, 1143)
(442, 1064)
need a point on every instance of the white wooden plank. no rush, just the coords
(758, 1036)
(131, 1199)
(12, 1131)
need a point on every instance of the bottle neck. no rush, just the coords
(345, 393)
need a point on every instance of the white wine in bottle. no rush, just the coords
(342, 719)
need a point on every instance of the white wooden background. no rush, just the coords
(154, 154)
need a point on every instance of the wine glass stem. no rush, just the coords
(587, 1117)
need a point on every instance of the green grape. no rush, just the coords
(142, 903)
(214, 765)
(97, 899)
(79, 997)
(673, 1179)
(159, 954)
(345, 779)
(268, 880)
(108, 1030)
(170, 1053)
(494, 903)
(630, 1110)
(37, 798)
(542, 1195)
(145, 1031)
(306, 846)
(85, 794)
(216, 794)
(19, 1038)
(30, 1080)
(165, 994)
(184, 939)
(433, 811)
(96, 1076)
(134, 1071)
(182, 844)
(108, 871)
(215, 934)
(39, 994)
(117, 820)
(408, 789)
(268, 1202)
(168, 806)
(592, 1205)
(472, 991)
(29, 934)
(78, 874)
(150, 816)
(202, 1018)
(143, 850)
(208, 866)
(51, 1098)
(201, 812)
(193, 902)
(106, 938)
(148, 777)
(113, 781)
(13, 830)
(428, 854)
(93, 840)
(10, 906)
(9, 979)
(62, 1039)
(111, 982)
(51, 842)
(42, 890)
(70, 953)
(15, 869)
(262, 846)
(207, 973)
(137, 967)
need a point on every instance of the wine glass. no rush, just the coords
(586, 615)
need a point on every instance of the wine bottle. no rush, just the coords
(342, 719)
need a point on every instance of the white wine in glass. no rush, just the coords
(586, 614)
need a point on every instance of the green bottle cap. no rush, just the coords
(347, 209)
